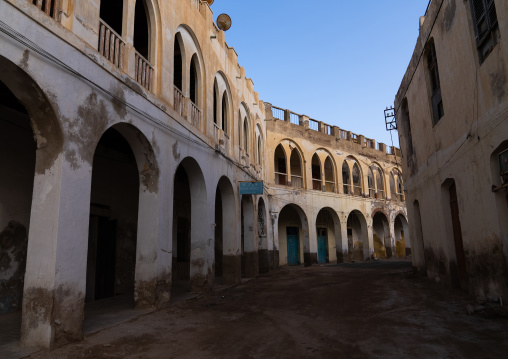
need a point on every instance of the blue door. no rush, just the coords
(322, 248)
(292, 238)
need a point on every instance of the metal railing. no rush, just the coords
(278, 113)
(314, 125)
(144, 71)
(354, 138)
(111, 45)
(296, 181)
(294, 118)
(195, 115)
(281, 178)
(179, 100)
(52, 8)
(327, 129)
(342, 134)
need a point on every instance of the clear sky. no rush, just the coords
(340, 62)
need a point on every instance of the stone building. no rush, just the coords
(126, 127)
(452, 120)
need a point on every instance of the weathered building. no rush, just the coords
(452, 120)
(126, 127)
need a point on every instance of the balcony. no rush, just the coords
(330, 186)
(111, 45)
(281, 178)
(195, 115)
(316, 185)
(296, 181)
(52, 8)
(178, 100)
(144, 71)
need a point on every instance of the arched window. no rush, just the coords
(329, 175)
(392, 187)
(372, 183)
(215, 100)
(296, 169)
(177, 66)
(316, 173)
(225, 112)
(245, 135)
(357, 180)
(281, 177)
(193, 84)
(346, 178)
(259, 150)
(435, 85)
(380, 183)
(141, 29)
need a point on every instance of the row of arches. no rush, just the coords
(324, 175)
(349, 238)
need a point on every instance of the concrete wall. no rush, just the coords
(458, 149)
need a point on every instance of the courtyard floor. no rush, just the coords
(365, 310)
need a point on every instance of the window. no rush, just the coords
(345, 177)
(193, 85)
(485, 25)
(435, 86)
(141, 30)
(177, 66)
(215, 103)
(407, 128)
(224, 112)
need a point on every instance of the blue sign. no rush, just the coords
(251, 187)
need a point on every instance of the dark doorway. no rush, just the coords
(141, 29)
(457, 237)
(181, 229)
(322, 241)
(112, 236)
(112, 14)
(292, 246)
(219, 247)
(177, 66)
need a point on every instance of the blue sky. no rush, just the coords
(340, 61)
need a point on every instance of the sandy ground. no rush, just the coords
(374, 310)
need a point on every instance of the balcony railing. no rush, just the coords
(343, 134)
(294, 118)
(330, 186)
(354, 138)
(369, 143)
(144, 72)
(316, 185)
(314, 125)
(179, 100)
(296, 181)
(278, 113)
(51, 7)
(327, 129)
(111, 45)
(195, 115)
(281, 178)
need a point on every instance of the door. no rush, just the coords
(322, 247)
(457, 237)
(350, 244)
(105, 259)
(292, 238)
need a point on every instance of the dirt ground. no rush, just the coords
(371, 310)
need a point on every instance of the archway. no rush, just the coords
(142, 29)
(402, 240)
(18, 154)
(227, 261)
(293, 236)
(316, 173)
(358, 242)
(191, 268)
(296, 169)
(250, 261)
(381, 233)
(328, 236)
(280, 168)
(113, 227)
(329, 171)
(26, 206)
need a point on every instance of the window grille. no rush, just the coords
(435, 86)
(485, 25)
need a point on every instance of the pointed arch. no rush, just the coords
(316, 173)
(296, 168)
(280, 166)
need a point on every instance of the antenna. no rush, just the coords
(224, 22)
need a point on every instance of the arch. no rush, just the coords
(189, 230)
(195, 81)
(222, 103)
(346, 178)
(245, 131)
(356, 175)
(381, 235)
(358, 241)
(329, 236)
(401, 234)
(193, 65)
(293, 230)
(280, 166)
(226, 271)
(296, 168)
(250, 260)
(396, 185)
(178, 63)
(371, 182)
(329, 173)
(244, 127)
(142, 39)
(376, 181)
(316, 173)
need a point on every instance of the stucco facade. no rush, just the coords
(127, 128)
(452, 121)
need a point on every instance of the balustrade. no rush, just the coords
(144, 71)
(51, 7)
(316, 185)
(296, 181)
(179, 100)
(195, 115)
(281, 178)
(111, 45)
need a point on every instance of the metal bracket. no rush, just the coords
(390, 119)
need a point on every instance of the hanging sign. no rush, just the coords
(255, 187)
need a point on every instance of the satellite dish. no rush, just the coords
(224, 22)
(210, 2)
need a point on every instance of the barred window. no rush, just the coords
(435, 85)
(486, 26)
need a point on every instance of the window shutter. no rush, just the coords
(479, 11)
(492, 15)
